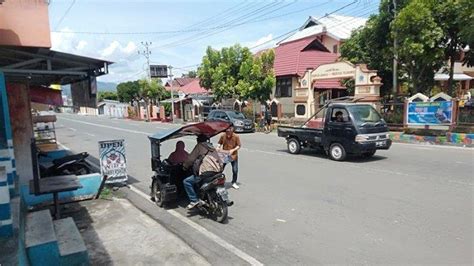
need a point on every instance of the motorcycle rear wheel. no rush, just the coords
(220, 212)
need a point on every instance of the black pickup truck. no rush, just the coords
(340, 128)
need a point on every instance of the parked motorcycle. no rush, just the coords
(68, 165)
(213, 193)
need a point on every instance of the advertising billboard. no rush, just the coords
(430, 113)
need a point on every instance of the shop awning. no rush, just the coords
(456, 76)
(43, 66)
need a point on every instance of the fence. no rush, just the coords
(393, 114)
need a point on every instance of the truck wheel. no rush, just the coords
(294, 146)
(337, 152)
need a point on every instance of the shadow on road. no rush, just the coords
(350, 158)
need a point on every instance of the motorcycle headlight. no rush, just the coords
(239, 123)
(361, 138)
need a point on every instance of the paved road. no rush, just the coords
(411, 204)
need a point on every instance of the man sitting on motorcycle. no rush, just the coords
(206, 162)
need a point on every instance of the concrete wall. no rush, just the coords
(22, 128)
(24, 23)
(329, 42)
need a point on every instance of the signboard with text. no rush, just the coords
(158, 71)
(430, 113)
(113, 160)
(334, 70)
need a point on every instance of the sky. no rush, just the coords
(179, 30)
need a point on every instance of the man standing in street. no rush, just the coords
(230, 143)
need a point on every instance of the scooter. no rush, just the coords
(68, 165)
(213, 193)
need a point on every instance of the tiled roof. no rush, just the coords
(192, 87)
(290, 59)
(337, 27)
(179, 82)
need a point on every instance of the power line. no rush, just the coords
(65, 13)
(296, 29)
(200, 36)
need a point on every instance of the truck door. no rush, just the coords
(339, 128)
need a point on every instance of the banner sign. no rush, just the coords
(430, 113)
(113, 161)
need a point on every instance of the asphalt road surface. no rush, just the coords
(411, 204)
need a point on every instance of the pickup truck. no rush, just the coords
(340, 128)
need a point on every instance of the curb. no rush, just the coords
(451, 139)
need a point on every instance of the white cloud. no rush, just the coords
(81, 45)
(262, 43)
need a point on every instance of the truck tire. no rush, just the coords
(294, 146)
(337, 152)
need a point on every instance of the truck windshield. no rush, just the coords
(364, 114)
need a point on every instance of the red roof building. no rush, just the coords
(186, 85)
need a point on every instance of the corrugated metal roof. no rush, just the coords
(336, 26)
(290, 59)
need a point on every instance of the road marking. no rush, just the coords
(73, 129)
(111, 127)
(239, 253)
(89, 134)
(434, 146)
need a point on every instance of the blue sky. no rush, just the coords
(194, 25)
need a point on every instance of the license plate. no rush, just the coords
(223, 193)
(380, 143)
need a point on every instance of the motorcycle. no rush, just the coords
(167, 181)
(68, 165)
(213, 193)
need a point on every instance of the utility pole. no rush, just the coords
(172, 98)
(395, 56)
(146, 53)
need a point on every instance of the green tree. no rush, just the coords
(450, 17)
(190, 74)
(107, 95)
(419, 52)
(128, 91)
(466, 19)
(373, 44)
(235, 72)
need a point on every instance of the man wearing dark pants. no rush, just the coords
(230, 143)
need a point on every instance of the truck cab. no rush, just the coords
(340, 128)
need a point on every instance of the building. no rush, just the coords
(113, 109)
(187, 93)
(317, 42)
(28, 68)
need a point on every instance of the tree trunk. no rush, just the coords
(451, 74)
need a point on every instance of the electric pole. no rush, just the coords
(146, 53)
(172, 98)
(395, 56)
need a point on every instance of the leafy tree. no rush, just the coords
(373, 44)
(419, 51)
(190, 74)
(466, 20)
(450, 17)
(235, 72)
(107, 95)
(128, 91)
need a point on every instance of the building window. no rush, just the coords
(283, 87)
(334, 48)
(300, 109)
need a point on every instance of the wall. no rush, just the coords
(329, 42)
(22, 128)
(287, 103)
(24, 23)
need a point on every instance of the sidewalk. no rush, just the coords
(117, 233)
